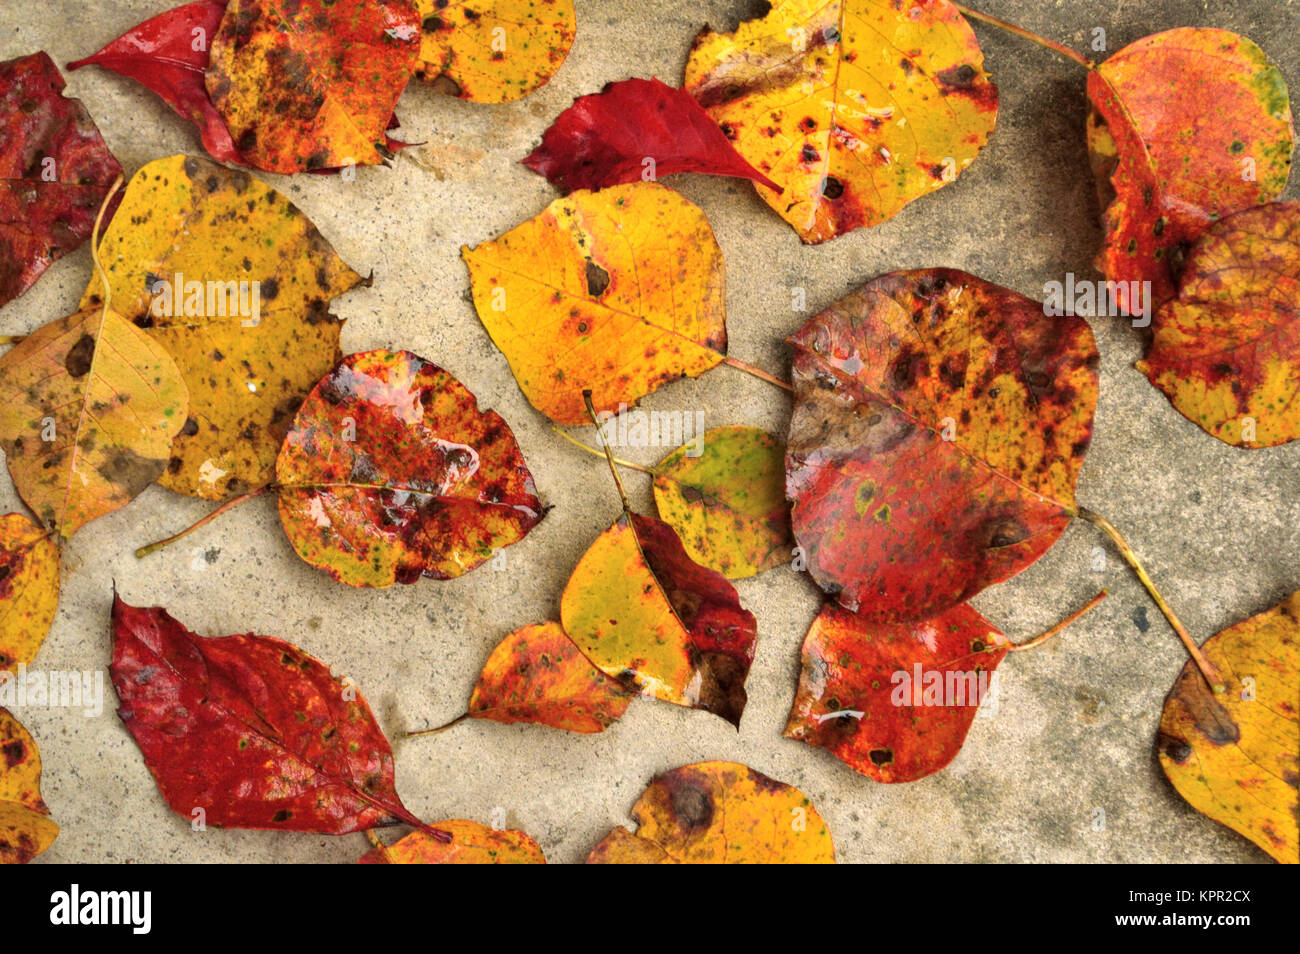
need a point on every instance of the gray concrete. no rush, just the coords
(1219, 527)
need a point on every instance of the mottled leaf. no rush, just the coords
(632, 130)
(89, 405)
(29, 588)
(168, 54)
(54, 172)
(855, 107)
(719, 813)
(493, 51)
(1226, 351)
(391, 472)
(250, 729)
(537, 674)
(727, 503)
(1187, 126)
(1235, 756)
(644, 613)
(25, 826)
(939, 425)
(311, 84)
(250, 329)
(894, 701)
(471, 844)
(617, 291)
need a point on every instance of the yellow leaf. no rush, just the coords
(471, 844)
(29, 588)
(618, 291)
(493, 51)
(855, 107)
(248, 359)
(25, 827)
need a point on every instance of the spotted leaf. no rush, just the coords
(471, 844)
(29, 588)
(25, 826)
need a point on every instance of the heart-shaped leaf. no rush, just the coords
(855, 107)
(29, 588)
(1226, 351)
(471, 844)
(251, 730)
(719, 813)
(54, 172)
(938, 429)
(25, 826)
(1235, 756)
(894, 701)
(644, 613)
(235, 283)
(616, 292)
(391, 472)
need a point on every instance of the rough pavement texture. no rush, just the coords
(1219, 528)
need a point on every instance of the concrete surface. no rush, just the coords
(1219, 527)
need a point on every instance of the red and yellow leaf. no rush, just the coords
(471, 844)
(29, 588)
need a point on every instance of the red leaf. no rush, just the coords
(251, 729)
(159, 53)
(604, 138)
(44, 134)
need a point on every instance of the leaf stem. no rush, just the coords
(609, 455)
(94, 241)
(1206, 667)
(757, 372)
(1065, 51)
(228, 505)
(618, 460)
(442, 728)
(377, 843)
(1038, 640)
(11, 339)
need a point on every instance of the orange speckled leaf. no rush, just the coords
(493, 51)
(939, 425)
(29, 588)
(894, 701)
(311, 84)
(645, 613)
(617, 291)
(727, 502)
(1236, 756)
(1226, 351)
(391, 472)
(536, 674)
(89, 405)
(855, 107)
(719, 813)
(471, 844)
(25, 826)
(1187, 126)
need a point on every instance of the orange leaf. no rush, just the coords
(471, 844)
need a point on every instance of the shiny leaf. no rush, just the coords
(29, 588)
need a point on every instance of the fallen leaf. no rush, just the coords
(1236, 756)
(471, 844)
(493, 51)
(251, 730)
(391, 472)
(250, 330)
(938, 429)
(645, 614)
(855, 107)
(617, 291)
(305, 85)
(536, 674)
(29, 588)
(168, 54)
(635, 130)
(894, 701)
(719, 813)
(728, 503)
(54, 172)
(1226, 351)
(1186, 127)
(89, 405)
(25, 826)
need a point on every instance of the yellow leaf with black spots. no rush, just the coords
(25, 826)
